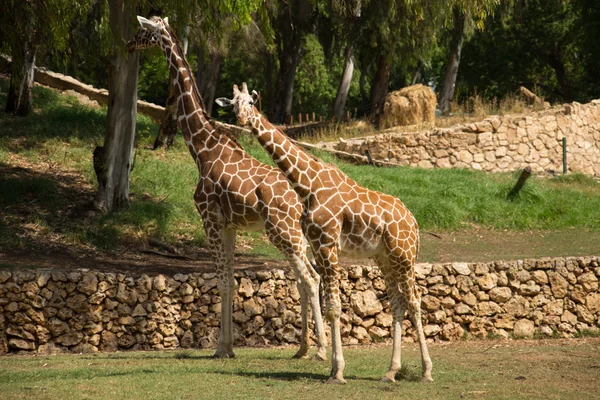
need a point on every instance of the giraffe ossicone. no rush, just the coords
(235, 192)
(341, 214)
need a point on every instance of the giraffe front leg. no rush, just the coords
(222, 243)
(302, 352)
(327, 258)
(315, 302)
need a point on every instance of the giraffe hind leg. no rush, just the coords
(291, 242)
(414, 305)
(398, 305)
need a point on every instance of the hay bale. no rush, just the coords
(409, 106)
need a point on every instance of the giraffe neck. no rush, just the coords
(199, 135)
(298, 166)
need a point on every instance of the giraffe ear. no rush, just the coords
(146, 23)
(255, 97)
(223, 102)
(166, 19)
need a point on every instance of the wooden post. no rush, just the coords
(522, 179)
(564, 146)
(307, 119)
(369, 158)
(348, 115)
(320, 118)
(291, 119)
(300, 118)
(313, 115)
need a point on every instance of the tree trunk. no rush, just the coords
(379, 87)
(113, 162)
(344, 87)
(293, 21)
(281, 106)
(20, 98)
(555, 61)
(449, 84)
(269, 78)
(210, 79)
(417, 75)
(168, 124)
(362, 84)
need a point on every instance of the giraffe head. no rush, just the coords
(242, 102)
(150, 33)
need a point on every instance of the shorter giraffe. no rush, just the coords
(235, 192)
(340, 214)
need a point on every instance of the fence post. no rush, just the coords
(522, 179)
(564, 146)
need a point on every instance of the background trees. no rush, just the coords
(304, 56)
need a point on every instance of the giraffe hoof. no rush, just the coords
(301, 356)
(224, 354)
(427, 378)
(321, 355)
(387, 379)
(302, 353)
(335, 381)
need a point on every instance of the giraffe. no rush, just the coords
(341, 215)
(235, 192)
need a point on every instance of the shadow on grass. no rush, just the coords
(39, 204)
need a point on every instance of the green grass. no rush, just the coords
(508, 370)
(62, 134)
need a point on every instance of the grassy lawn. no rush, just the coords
(47, 180)
(549, 369)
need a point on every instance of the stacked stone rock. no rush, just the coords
(497, 144)
(57, 310)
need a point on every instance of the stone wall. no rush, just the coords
(86, 311)
(496, 144)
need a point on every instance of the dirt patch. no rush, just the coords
(480, 245)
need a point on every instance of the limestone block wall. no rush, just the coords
(57, 310)
(497, 144)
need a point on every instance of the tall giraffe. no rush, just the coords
(342, 215)
(235, 192)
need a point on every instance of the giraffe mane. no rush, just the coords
(197, 95)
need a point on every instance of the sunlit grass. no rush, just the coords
(516, 370)
(62, 135)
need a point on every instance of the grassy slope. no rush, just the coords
(474, 370)
(63, 133)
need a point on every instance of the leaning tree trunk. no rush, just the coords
(379, 87)
(449, 84)
(344, 87)
(20, 98)
(113, 162)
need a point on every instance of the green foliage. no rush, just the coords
(314, 86)
(153, 79)
(530, 46)
(51, 20)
